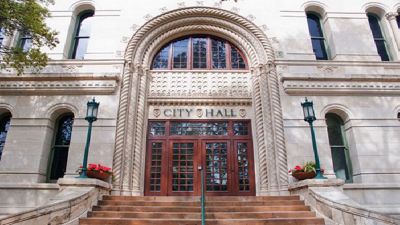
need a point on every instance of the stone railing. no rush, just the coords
(327, 198)
(74, 199)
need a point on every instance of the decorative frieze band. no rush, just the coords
(49, 85)
(340, 86)
(200, 84)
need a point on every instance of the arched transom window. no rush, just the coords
(199, 52)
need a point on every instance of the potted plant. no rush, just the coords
(304, 172)
(97, 171)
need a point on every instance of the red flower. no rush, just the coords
(298, 167)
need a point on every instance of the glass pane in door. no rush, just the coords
(155, 171)
(243, 164)
(182, 167)
(216, 166)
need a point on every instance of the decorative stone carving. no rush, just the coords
(242, 112)
(199, 113)
(156, 112)
(200, 84)
(163, 9)
(130, 138)
(148, 17)
(181, 4)
(391, 15)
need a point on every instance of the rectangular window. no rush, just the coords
(180, 49)
(25, 42)
(155, 170)
(218, 54)
(199, 53)
(193, 128)
(2, 36)
(240, 128)
(318, 45)
(157, 128)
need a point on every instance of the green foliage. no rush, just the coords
(26, 16)
(309, 167)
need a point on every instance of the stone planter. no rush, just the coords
(303, 175)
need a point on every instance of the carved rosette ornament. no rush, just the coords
(156, 112)
(242, 113)
(129, 155)
(199, 113)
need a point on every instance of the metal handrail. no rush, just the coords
(203, 197)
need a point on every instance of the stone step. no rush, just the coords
(272, 221)
(197, 198)
(198, 209)
(197, 203)
(219, 215)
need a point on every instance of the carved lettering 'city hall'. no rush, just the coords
(209, 113)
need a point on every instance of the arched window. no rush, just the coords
(59, 150)
(398, 21)
(2, 36)
(317, 36)
(374, 24)
(81, 34)
(4, 126)
(199, 52)
(25, 41)
(339, 149)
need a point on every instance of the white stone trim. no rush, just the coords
(269, 142)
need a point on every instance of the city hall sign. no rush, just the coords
(199, 112)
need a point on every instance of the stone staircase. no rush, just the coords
(128, 210)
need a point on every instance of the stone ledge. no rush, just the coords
(28, 186)
(83, 182)
(315, 183)
(372, 186)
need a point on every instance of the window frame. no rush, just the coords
(22, 40)
(76, 37)
(2, 36)
(337, 122)
(321, 30)
(3, 117)
(209, 61)
(53, 147)
(382, 39)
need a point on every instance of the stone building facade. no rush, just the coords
(354, 87)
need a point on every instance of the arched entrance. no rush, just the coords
(136, 102)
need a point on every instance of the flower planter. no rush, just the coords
(97, 175)
(303, 175)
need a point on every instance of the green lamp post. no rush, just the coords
(91, 116)
(309, 116)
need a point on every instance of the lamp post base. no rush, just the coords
(319, 175)
(83, 175)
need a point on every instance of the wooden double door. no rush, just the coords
(175, 160)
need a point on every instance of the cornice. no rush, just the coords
(65, 85)
(281, 62)
(341, 86)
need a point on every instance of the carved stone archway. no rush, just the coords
(128, 162)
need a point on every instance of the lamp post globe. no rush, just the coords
(309, 116)
(91, 116)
